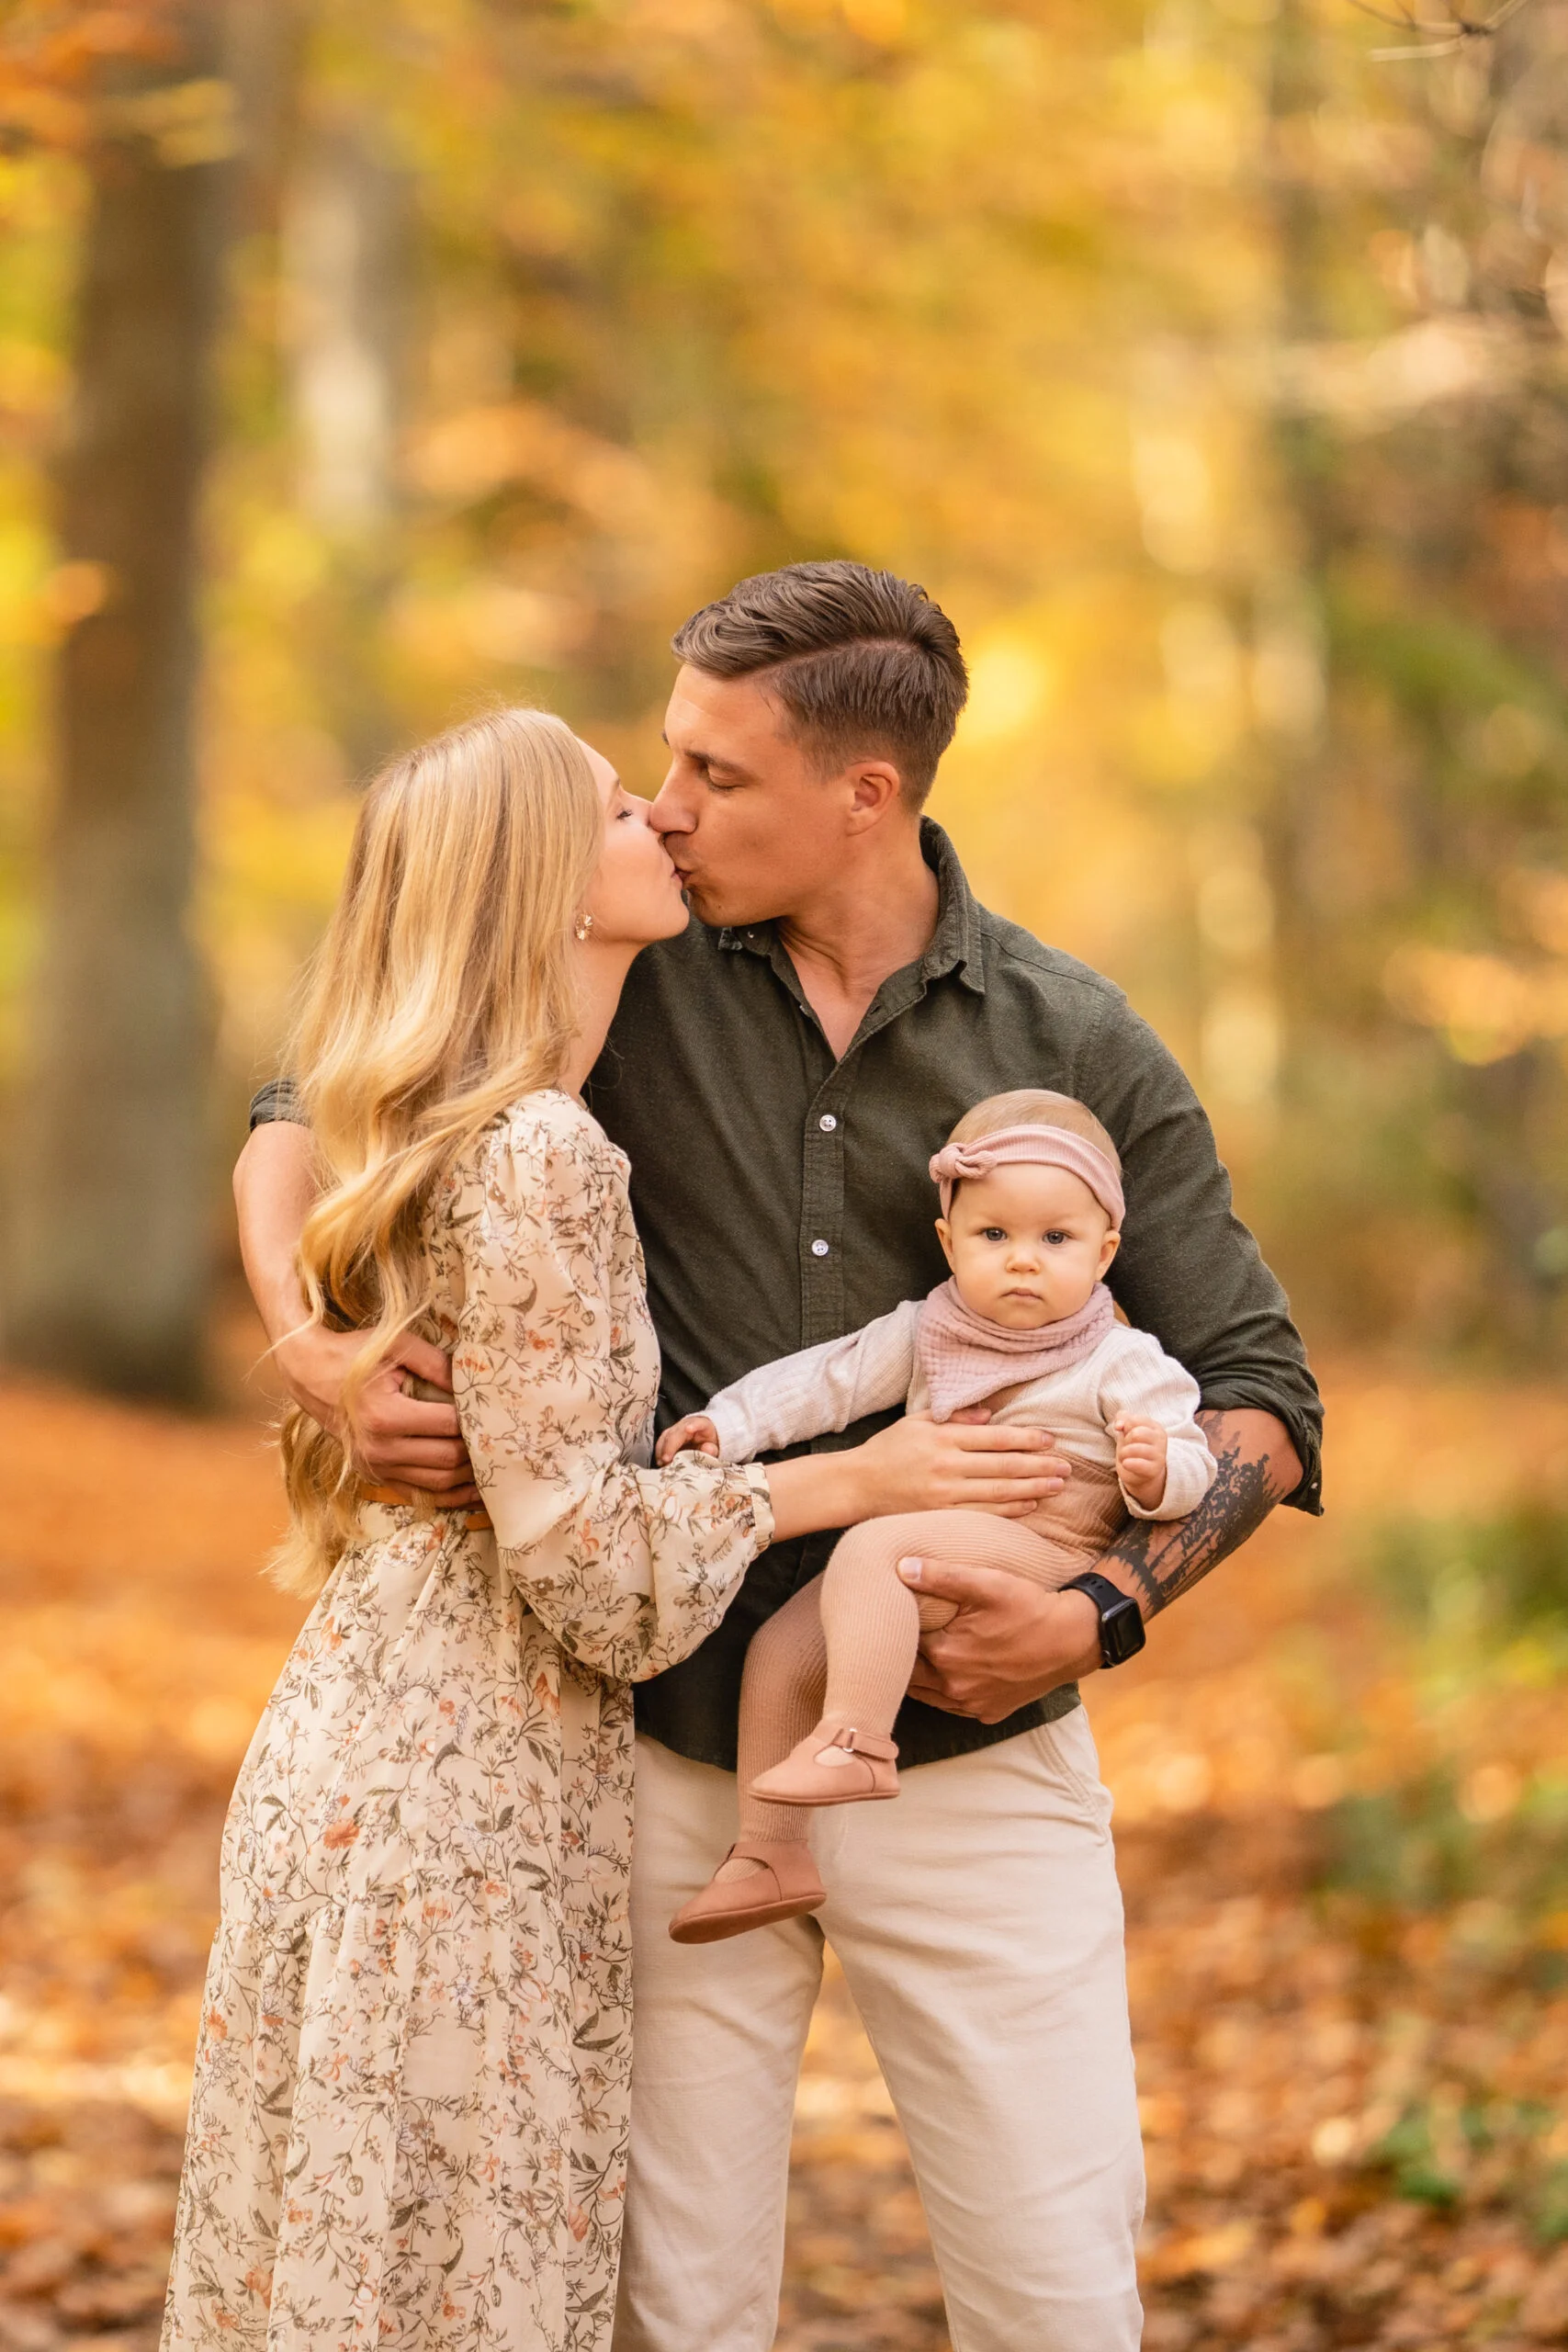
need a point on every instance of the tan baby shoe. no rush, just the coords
(832, 1767)
(786, 1885)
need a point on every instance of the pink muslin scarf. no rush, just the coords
(966, 1357)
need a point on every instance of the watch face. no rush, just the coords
(1121, 1633)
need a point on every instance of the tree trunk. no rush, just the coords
(112, 1203)
(345, 252)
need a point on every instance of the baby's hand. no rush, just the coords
(1140, 1449)
(697, 1431)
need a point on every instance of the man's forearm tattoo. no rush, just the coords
(1166, 1557)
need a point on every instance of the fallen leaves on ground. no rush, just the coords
(1354, 2105)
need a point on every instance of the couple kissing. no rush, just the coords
(742, 1301)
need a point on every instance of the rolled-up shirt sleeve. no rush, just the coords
(276, 1100)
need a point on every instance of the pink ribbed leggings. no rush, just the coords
(842, 1651)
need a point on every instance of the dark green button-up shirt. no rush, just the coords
(783, 1198)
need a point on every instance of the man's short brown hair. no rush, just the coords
(863, 662)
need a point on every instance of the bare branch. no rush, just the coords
(1448, 34)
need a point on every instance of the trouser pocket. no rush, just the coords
(1066, 1746)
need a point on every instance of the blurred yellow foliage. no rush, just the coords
(1204, 368)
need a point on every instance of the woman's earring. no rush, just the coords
(582, 926)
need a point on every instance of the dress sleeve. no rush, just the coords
(1141, 1381)
(630, 1568)
(819, 1390)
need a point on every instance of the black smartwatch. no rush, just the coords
(1122, 1633)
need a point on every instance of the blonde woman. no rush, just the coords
(410, 2114)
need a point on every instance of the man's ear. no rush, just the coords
(1108, 1248)
(875, 788)
(944, 1235)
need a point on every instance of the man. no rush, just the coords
(779, 1077)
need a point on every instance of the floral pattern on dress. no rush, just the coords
(409, 2122)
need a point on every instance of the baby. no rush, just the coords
(1032, 1206)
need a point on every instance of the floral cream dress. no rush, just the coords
(409, 2122)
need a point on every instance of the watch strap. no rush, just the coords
(1111, 1604)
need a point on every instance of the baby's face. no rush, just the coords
(1027, 1245)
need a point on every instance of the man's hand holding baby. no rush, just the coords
(1142, 1448)
(695, 1433)
(1009, 1645)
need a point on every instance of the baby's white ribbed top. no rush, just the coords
(826, 1387)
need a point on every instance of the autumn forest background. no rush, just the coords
(363, 360)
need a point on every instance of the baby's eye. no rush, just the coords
(993, 1233)
(1056, 1235)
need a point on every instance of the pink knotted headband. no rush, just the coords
(1036, 1146)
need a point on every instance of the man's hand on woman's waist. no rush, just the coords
(395, 1440)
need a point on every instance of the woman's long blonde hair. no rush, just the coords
(443, 992)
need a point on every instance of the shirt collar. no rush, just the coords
(956, 945)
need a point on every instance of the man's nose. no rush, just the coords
(668, 812)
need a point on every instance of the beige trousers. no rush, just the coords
(978, 1923)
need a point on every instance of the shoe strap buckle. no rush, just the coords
(864, 1743)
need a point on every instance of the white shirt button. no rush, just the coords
(819, 1248)
(827, 1123)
